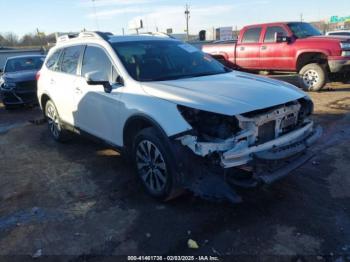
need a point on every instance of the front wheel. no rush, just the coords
(313, 77)
(152, 158)
(54, 124)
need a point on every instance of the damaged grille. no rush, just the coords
(266, 132)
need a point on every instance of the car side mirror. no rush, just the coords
(281, 38)
(96, 78)
(120, 80)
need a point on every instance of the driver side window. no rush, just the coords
(270, 33)
(96, 59)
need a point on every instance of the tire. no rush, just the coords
(54, 124)
(152, 162)
(346, 78)
(313, 77)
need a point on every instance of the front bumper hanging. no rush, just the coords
(265, 163)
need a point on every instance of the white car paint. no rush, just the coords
(104, 115)
(229, 94)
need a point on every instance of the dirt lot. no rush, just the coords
(80, 198)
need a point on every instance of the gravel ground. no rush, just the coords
(80, 198)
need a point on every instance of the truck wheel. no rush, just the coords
(313, 77)
(152, 159)
(346, 78)
(54, 124)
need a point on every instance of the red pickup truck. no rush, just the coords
(290, 47)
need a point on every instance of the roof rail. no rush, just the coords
(66, 37)
(97, 34)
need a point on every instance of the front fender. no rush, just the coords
(163, 113)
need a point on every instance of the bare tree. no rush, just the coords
(11, 38)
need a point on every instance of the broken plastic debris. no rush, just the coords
(192, 244)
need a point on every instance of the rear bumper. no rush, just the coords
(339, 64)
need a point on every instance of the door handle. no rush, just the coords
(77, 90)
(52, 82)
(263, 47)
(242, 48)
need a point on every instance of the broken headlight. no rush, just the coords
(207, 125)
(307, 107)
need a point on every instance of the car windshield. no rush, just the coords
(23, 64)
(303, 30)
(161, 60)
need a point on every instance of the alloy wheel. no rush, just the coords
(151, 166)
(53, 121)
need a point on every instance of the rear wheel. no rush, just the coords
(54, 123)
(313, 77)
(152, 158)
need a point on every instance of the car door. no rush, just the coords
(248, 49)
(275, 55)
(97, 112)
(63, 81)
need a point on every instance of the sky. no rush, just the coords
(23, 16)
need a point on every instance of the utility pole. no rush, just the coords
(123, 31)
(301, 17)
(95, 14)
(187, 15)
(39, 35)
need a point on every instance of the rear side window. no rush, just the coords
(252, 35)
(52, 62)
(96, 59)
(70, 59)
(270, 33)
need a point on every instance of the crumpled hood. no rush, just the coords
(229, 94)
(20, 76)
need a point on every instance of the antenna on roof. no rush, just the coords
(95, 14)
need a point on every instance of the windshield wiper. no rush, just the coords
(175, 77)
(165, 78)
(211, 73)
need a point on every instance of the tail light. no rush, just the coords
(37, 76)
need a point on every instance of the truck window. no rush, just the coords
(270, 33)
(252, 35)
(303, 30)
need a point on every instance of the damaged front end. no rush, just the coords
(244, 150)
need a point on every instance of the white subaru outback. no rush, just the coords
(184, 119)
